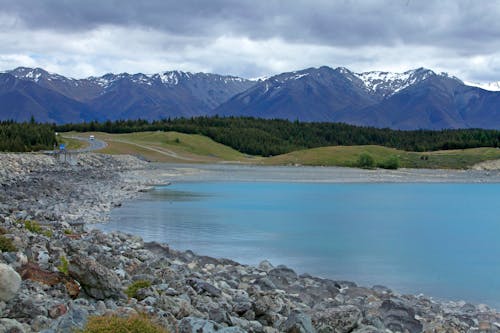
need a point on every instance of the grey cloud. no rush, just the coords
(254, 37)
(339, 23)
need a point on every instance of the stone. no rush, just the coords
(96, 280)
(368, 329)
(197, 325)
(75, 318)
(265, 266)
(57, 311)
(282, 276)
(340, 319)
(8, 325)
(10, 282)
(298, 322)
(399, 317)
(202, 286)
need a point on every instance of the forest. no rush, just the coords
(23, 137)
(264, 137)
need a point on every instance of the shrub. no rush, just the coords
(68, 231)
(3, 231)
(366, 161)
(36, 228)
(33, 226)
(134, 287)
(391, 163)
(6, 244)
(115, 324)
(64, 266)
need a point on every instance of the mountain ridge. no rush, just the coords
(417, 98)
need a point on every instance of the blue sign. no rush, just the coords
(62, 146)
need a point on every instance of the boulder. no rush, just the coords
(340, 319)
(11, 325)
(198, 325)
(10, 282)
(282, 276)
(204, 287)
(98, 281)
(399, 317)
(76, 318)
(298, 322)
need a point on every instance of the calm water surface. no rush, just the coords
(438, 239)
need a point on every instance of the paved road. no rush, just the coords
(92, 144)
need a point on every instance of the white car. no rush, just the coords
(91, 137)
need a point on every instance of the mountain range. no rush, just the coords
(415, 99)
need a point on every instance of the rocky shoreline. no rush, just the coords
(55, 275)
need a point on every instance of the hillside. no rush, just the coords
(414, 99)
(188, 148)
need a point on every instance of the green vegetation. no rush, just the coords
(22, 137)
(365, 161)
(68, 231)
(273, 137)
(348, 156)
(36, 228)
(391, 163)
(134, 287)
(6, 244)
(71, 143)
(169, 147)
(115, 324)
(64, 266)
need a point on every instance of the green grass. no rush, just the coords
(170, 147)
(115, 324)
(192, 148)
(348, 156)
(69, 142)
(132, 290)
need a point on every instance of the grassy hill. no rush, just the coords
(348, 156)
(170, 147)
(191, 148)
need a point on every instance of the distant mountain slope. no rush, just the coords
(20, 100)
(131, 96)
(414, 99)
(308, 95)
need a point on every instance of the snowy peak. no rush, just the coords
(168, 78)
(490, 86)
(35, 74)
(389, 83)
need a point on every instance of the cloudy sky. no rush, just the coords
(251, 38)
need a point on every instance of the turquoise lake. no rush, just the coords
(438, 239)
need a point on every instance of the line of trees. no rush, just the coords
(272, 137)
(28, 136)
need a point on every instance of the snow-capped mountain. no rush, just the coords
(414, 99)
(149, 96)
(388, 83)
(419, 98)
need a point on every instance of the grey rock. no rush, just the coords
(219, 315)
(202, 286)
(399, 317)
(282, 276)
(197, 325)
(98, 281)
(75, 318)
(8, 325)
(265, 265)
(10, 282)
(340, 319)
(368, 329)
(298, 322)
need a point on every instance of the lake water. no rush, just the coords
(438, 239)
